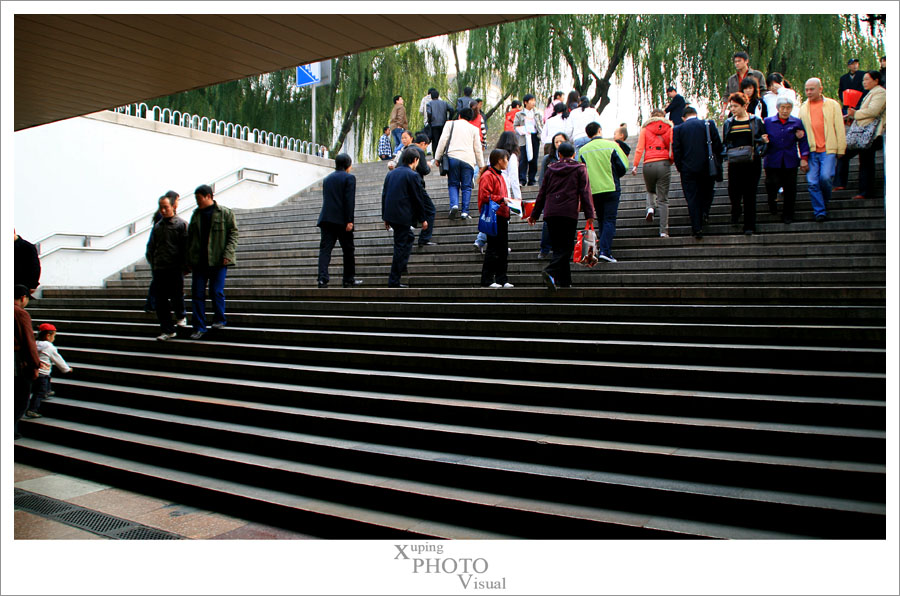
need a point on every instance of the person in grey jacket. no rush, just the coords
(167, 255)
(528, 126)
(436, 113)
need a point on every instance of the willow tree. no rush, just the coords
(365, 85)
(694, 50)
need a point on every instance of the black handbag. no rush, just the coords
(445, 159)
(742, 154)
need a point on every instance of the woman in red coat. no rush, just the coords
(492, 187)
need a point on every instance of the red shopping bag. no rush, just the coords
(576, 255)
(587, 241)
(527, 208)
(851, 97)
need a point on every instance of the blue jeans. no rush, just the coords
(215, 276)
(395, 135)
(39, 390)
(546, 245)
(607, 207)
(459, 182)
(819, 177)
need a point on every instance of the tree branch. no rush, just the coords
(350, 117)
(615, 58)
(737, 41)
(488, 114)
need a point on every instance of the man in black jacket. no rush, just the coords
(336, 220)
(850, 80)
(402, 205)
(675, 109)
(692, 151)
(437, 114)
(167, 255)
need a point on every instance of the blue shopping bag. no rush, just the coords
(487, 220)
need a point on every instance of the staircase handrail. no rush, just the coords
(133, 227)
(221, 127)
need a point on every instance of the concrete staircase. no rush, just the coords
(732, 387)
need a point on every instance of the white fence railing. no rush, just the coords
(220, 127)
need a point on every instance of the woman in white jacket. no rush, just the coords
(580, 117)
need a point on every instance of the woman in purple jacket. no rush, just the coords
(564, 192)
(787, 149)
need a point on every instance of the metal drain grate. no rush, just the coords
(87, 519)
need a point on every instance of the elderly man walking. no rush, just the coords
(824, 125)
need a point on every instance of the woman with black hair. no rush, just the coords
(510, 144)
(492, 187)
(743, 137)
(750, 88)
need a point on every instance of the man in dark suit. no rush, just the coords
(675, 109)
(336, 220)
(852, 79)
(691, 151)
(402, 205)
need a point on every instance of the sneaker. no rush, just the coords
(495, 285)
(649, 217)
(663, 235)
(464, 216)
(348, 284)
(166, 336)
(748, 232)
(508, 285)
(198, 334)
(218, 325)
(478, 247)
(429, 243)
(323, 284)
(454, 212)
(509, 250)
(549, 281)
(543, 255)
(33, 414)
(821, 218)
(182, 322)
(607, 258)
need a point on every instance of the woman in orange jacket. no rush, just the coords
(655, 146)
(492, 187)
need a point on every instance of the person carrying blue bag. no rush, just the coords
(493, 206)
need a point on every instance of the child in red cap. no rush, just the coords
(48, 357)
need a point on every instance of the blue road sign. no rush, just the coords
(308, 74)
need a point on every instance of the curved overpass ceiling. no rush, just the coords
(70, 65)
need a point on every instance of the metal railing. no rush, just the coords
(220, 127)
(141, 224)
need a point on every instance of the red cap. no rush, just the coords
(46, 327)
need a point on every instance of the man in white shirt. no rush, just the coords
(528, 125)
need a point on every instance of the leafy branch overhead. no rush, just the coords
(692, 52)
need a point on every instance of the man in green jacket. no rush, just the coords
(606, 163)
(212, 240)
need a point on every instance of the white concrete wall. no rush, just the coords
(91, 174)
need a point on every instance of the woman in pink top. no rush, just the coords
(655, 147)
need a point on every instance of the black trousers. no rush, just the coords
(866, 166)
(562, 241)
(22, 392)
(430, 212)
(436, 132)
(403, 241)
(169, 297)
(782, 178)
(331, 233)
(528, 169)
(496, 256)
(698, 192)
(743, 179)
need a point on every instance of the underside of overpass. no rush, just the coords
(69, 65)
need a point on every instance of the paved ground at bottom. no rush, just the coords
(186, 521)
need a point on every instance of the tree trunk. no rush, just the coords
(459, 82)
(601, 93)
(350, 116)
(490, 112)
